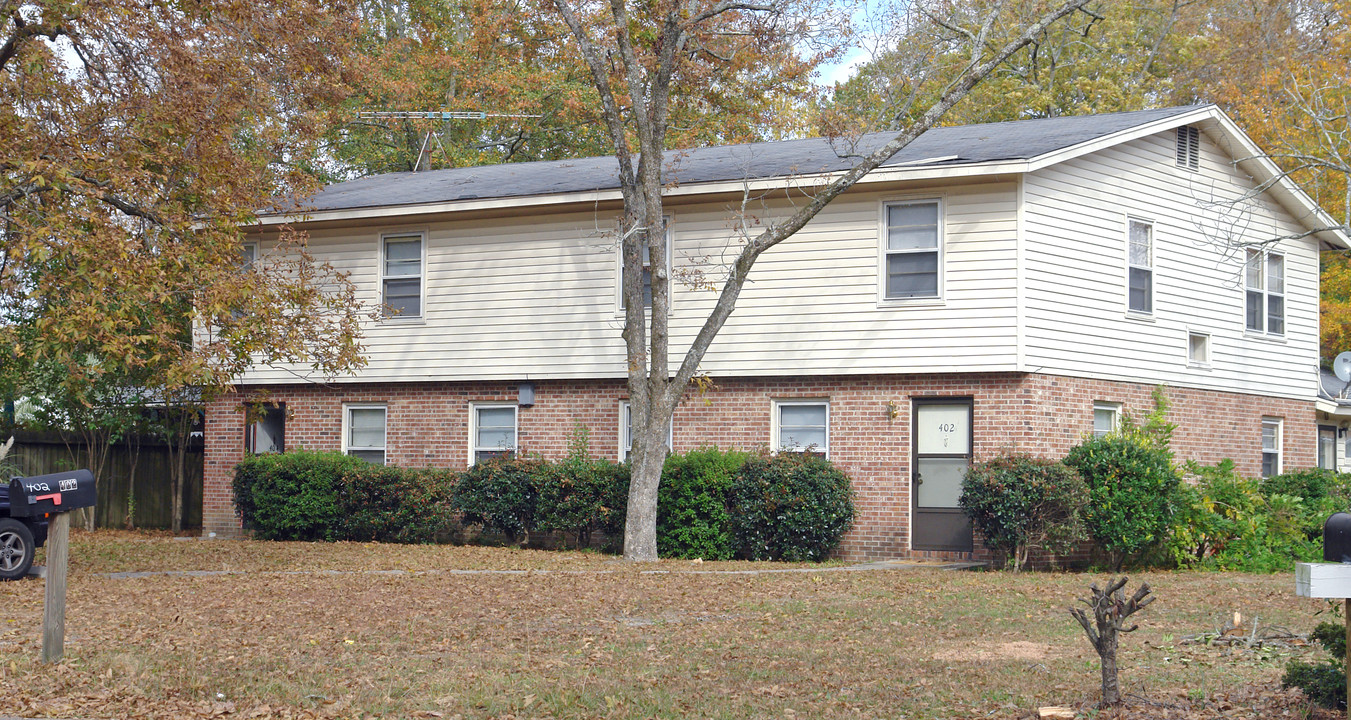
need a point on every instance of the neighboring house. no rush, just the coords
(993, 288)
(1334, 419)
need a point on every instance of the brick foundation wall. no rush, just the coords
(1045, 415)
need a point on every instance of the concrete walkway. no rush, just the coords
(861, 567)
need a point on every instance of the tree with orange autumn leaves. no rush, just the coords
(136, 138)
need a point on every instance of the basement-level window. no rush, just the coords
(1271, 446)
(1106, 417)
(626, 431)
(493, 433)
(1188, 148)
(364, 432)
(802, 426)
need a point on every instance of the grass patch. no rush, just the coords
(596, 638)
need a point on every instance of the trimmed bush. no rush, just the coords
(692, 516)
(390, 504)
(502, 494)
(582, 496)
(791, 506)
(1019, 503)
(292, 496)
(1132, 487)
(305, 495)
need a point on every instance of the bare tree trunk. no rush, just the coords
(1110, 611)
(640, 524)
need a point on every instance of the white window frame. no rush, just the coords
(404, 235)
(1204, 362)
(626, 431)
(1279, 425)
(474, 448)
(1263, 258)
(619, 266)
(1114, 408)
(253, 249)
(776, 417)
(347, 448)
(1150, 268)
(883, 252)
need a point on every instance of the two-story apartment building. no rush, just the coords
(992, 288)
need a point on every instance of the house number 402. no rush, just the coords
(947, 427)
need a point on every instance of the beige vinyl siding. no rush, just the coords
(1076, 323)
(534, 296)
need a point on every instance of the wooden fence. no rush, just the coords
(149, 488)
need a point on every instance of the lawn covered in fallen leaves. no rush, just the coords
(353, 630)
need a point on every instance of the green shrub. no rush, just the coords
(1323, 683)
(1229, 522)
(502, 494)
(582, 495)
(305, 495)
(390, 504)
(291, 496)
(791, 506)
(692, 516)
(1019, 503)
(1131, 485)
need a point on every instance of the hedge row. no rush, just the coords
(1124, 493)
(713, 504)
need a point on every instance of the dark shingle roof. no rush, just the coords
(971, 144)
(1332, 386)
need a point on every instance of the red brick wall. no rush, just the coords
(428, 424)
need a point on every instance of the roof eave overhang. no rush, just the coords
(1329, 407)
(760, 185)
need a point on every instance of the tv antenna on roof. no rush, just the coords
(425, 152)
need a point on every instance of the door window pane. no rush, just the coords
(944, 429)
(940, 481)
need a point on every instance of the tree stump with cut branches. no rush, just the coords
(1111, 609)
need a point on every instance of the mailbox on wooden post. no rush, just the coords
(1331, 579)
(54, 495)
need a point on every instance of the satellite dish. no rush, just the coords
(1341, 367)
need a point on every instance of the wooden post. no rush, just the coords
(54, 608)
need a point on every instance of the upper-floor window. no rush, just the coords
(1140, 267)
(1188, 148)
(647, 268)
(401, 275)
(802, 426)
(248, 255)
(626, 431)
(364, 432)
(1271, 446)
(913, 250)
(1198, 349)
(493, 432)
(1264, 280)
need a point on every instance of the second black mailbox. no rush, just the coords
(53, 493)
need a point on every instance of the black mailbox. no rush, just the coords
(1337, 538)
(53, 493)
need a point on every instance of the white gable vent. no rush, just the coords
(1188, 147)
